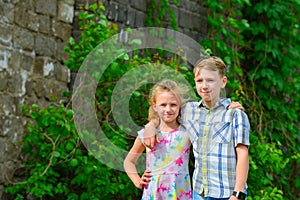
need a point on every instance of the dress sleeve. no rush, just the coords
(141, 135)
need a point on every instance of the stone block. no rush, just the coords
(6, 34)
(65, 12)
(70, 2)
(112, 11)
(28, 4)
(27, 63)
(38, 67)
(199, 24)
(192, 6)
(182, 4)
(124, 2)
(140, 5)
(8, 169)
(49, 8)
(185, 18)
(14, 61)
(5, 126)
(29, 88)
(62, 30)
(15, 84)
(33, 21)
(44, 23)
(7, 12)
(121, 14)
(48, 69)
(2, 189)
(21, 16)
(39, 87)
(23, 39)
(45, 46)
(54, 90)
(2, 149)
(62, 73)
(62, 55)
(140, 19)
(6, 106)
(130, 19)
(3, 80)
(3, 59)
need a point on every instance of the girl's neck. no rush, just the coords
(167, 127)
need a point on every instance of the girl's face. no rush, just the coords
(167, 107)
(208, 85)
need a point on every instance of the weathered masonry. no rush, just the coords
(33, 34)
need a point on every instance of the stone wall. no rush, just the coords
(33, 34)
(191, 15)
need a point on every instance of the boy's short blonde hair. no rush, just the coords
(212, 63)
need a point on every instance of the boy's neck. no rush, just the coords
(211, 104)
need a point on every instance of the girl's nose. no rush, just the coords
(168, 107)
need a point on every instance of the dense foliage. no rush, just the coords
(258, 40)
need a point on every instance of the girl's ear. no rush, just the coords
(154, 108)
(224, 81)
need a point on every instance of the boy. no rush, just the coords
(220, 136)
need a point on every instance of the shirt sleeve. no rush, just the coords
(241, 127)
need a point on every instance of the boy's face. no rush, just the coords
(208, 85)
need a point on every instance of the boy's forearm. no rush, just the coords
(150, 133)
(242, 168)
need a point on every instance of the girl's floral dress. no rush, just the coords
(168, 163)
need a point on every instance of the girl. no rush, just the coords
(166, 176)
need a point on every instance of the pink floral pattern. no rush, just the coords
(168, 162)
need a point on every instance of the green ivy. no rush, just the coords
(59, 165)
(259, 41)
(161, 14)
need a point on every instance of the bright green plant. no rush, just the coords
(259, 41)
(161, 14)
(59, 165)
(95, 28)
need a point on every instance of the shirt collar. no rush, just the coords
(225, 102)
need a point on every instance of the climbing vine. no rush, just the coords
(259, 42)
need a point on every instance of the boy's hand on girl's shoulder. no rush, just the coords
(237, 105)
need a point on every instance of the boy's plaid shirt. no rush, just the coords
(214, 134)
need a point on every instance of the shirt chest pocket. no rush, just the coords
(221, 132)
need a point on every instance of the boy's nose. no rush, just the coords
(204, 84)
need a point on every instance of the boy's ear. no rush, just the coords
(224, 81)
